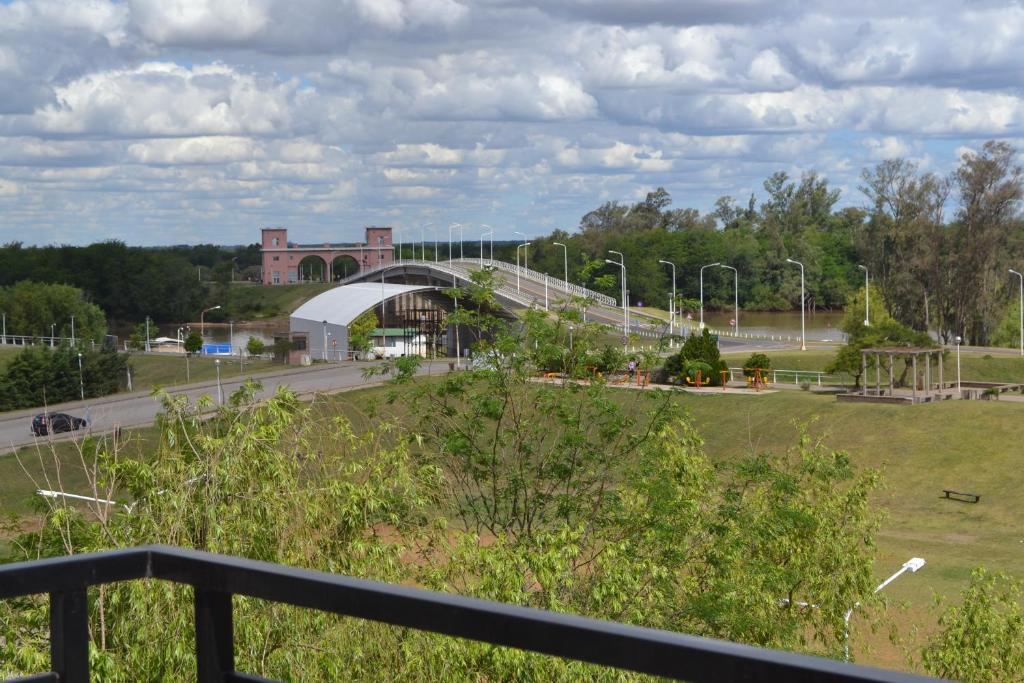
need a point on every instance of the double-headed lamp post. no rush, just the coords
(867, 296)
(625, 305)
(803, 327)
(911, 565)
(959, 340)
(202, 323)
(1021, 309)
(526, 258)
(710, 265)
(565, 262)
(735, 297)
(672, 306)
(489, 231)
(524, 245)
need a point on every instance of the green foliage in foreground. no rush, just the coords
(981, 639)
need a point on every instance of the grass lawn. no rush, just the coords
(964, 445)
(153, 370)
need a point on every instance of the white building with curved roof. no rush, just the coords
(319, 327)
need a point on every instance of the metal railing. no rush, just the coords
(216, 578)
(794, 376)
(554, 282)
(462, 268)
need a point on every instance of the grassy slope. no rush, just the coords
(248, 301)
(153, 370)
(968, 446)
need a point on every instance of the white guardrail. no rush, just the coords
(812, 376)
(462, 267)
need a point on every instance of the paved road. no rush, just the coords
(129, 410)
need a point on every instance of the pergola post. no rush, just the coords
(942, 386)
(928, 373)
(913, 358)
(892, 391)
(864, 373)
(878, 374)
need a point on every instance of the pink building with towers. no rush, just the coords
(286, 262)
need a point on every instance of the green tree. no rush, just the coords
(35, 309)
(255, 346)
(884, 331)
(193, 342)
(39, 376)
(981, 638)
(360, 331)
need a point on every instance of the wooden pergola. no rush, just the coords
(892, 352)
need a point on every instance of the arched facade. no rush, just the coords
(281, 258)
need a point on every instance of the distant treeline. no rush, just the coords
(938, 248)
(130, 283)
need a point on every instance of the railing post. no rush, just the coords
(215, 648)
(69, 636)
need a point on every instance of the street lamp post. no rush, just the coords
(672, 307)
(433, 231)
(570, 339)
(72, 330)
(911, 565)
(1021, 309)
(147, 346)
(710, 265)
(959, 340)
(81, 382)
(526, 260)
(488, 231)
(565, 262)
(5, 327)
(735, 298)
(202, 322)
(803, 328)
(53, 334)
(867, 296)
(625, 310)
(324, 354)
(220, 389)
(521, 246)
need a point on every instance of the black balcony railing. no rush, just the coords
(215, 578)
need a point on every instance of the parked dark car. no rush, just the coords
(55, 423)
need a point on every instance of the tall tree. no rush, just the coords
(989, 188)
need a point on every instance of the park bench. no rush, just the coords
(961, 496)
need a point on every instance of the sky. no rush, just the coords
(187, 121)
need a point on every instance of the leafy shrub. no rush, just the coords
(756, 360)
(701, 348)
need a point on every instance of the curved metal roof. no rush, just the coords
(342, 305)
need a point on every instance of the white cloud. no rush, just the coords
(197, 150)
(184, 22)
(164, 99)
(209, 113)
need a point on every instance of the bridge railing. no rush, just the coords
(557, 283)
(504, 290)
(461, 268)
(215, 579)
